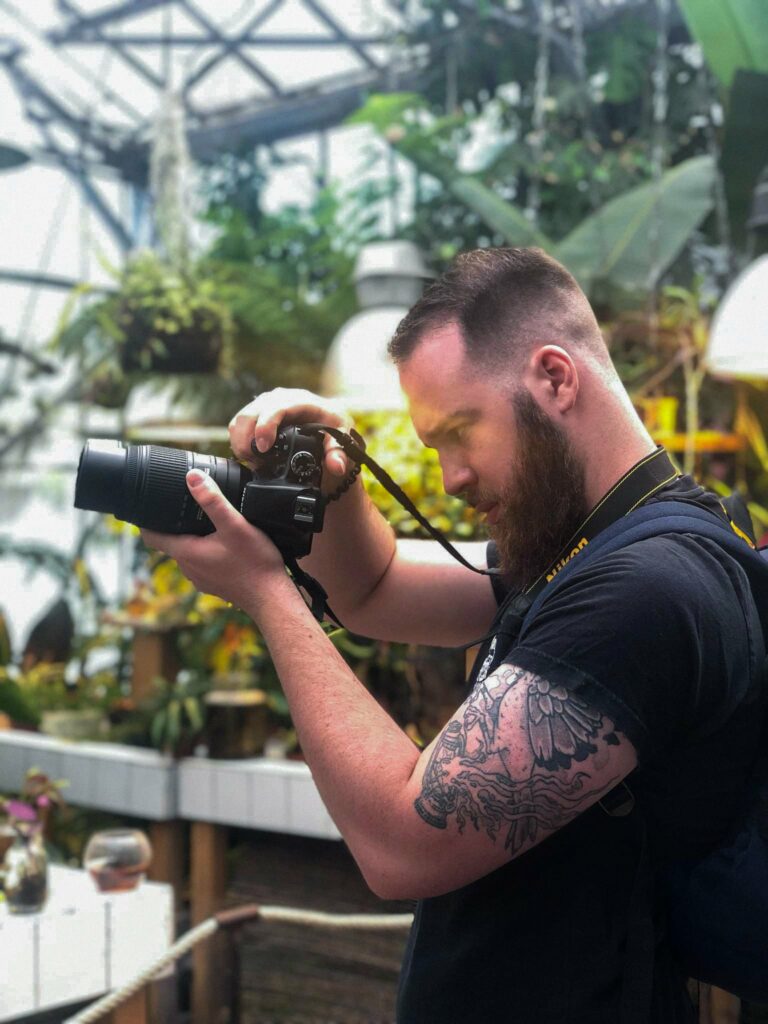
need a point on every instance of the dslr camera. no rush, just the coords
(145, 484)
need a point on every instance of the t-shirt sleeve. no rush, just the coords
(656, 636)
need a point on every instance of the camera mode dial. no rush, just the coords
(304, 467)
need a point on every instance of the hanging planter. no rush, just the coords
(166, 314)
(159, 320)
(164, 320)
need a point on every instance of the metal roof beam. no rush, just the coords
(142, 69)
(340, 34)
(232, 45)
(212, 62)
(89, 190)
(32, 92)
(87, 24)
(38, 279)
(244, 40)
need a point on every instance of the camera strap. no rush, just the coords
(354, 446)
(638, 484)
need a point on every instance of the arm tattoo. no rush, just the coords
(470, 777)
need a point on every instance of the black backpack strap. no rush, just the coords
(651, 520)
(637, 980)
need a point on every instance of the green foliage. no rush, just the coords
(5, 641)
(393, 442)
(176, 712)
(624, 49)
(154, 309)
(732, 33)
(617, 244)
(745, 147)
(45, 687)
(14, 703)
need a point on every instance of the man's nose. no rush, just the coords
(457, 478)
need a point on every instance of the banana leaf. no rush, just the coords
(617, 242)
(504, 218)
(732, 33)
(745, 147)
(389, 116)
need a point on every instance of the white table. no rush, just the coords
(82, 944)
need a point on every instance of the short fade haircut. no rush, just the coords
(503, 301)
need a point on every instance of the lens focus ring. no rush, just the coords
(157, 489)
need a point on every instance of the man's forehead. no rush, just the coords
(439, 361)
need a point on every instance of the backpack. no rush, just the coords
(716, 908)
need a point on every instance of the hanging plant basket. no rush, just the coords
(193, 349)
(159, 319)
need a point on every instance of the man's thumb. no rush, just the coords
(206, 493)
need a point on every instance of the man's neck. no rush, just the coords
(620, 441)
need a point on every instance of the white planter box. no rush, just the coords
(81, 944)
(105, 776)
(262, 793)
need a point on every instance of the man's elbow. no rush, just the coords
(400, 878)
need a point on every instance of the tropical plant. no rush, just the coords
(732, 35)
(623, 247)
(46, 686)
(176, 713)
(158, 319)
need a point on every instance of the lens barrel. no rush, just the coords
(145, 484)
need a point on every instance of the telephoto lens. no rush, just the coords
(145, 484)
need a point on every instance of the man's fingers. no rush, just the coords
(161, 541)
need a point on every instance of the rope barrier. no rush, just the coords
(228, 919)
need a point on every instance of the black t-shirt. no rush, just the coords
(662, 637)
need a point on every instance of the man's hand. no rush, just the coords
(236, 562)
(260, 420)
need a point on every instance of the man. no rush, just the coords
(532, 878)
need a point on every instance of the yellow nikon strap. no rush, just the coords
(638, 484)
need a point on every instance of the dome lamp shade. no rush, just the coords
(738, 341)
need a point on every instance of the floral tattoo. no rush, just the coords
(471, 777)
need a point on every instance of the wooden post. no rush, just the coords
(168, 855)
(208, 848)
(154, 654)
(132, 1011)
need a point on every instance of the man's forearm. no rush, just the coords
(353, 552)
(361, 760)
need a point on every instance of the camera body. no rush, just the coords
(284, 498)
(146, 485)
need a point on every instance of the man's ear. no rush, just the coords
(553, 378)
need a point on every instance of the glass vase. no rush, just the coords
(25, 870)
(117, 859)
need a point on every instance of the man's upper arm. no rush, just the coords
(427, 597)
(520, 759)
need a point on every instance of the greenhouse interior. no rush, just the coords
(312, 307)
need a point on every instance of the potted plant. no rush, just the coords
(165, 315)
(25, 862)
(160, 318)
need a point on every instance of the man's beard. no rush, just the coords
(545, 502)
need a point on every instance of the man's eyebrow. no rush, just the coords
(460, 416)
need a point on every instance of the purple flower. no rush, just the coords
(19, 810)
